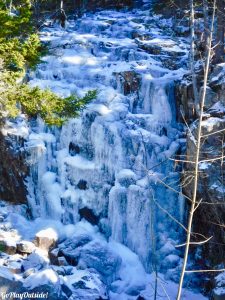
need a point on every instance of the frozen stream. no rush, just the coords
(106, 166)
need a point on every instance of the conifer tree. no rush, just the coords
(20, 48)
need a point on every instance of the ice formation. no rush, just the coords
(108, 166)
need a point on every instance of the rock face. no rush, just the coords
(211, 186)
(13, 168)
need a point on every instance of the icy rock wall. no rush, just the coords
(106, 166)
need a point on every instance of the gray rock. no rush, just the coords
(50, 290)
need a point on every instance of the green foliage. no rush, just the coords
(17, 23)
(33, 50)
(53, 109)
(20, 48)
(2, 248)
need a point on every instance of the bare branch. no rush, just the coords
(195, 243)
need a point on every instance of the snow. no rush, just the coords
(47, 276)
(16, 127)
(204, 165)
(5, 272)
(51, 233)
(132, 271)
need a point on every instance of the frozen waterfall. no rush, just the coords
(107, 165)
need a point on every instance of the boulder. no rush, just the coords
(70, 248)
(25, 247)
(28, 272)
(50, 291)
(46, 239)
(99, 257)
(85, 285)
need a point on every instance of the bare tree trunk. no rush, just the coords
(197, 156)
(219, 51)
(61, 5)
(62, 14)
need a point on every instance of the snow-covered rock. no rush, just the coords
(35, 260)
(46, 239)
(25, 247)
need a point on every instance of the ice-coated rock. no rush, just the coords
(99, 257)
(82, 252)
(70, 249)
(171, 261)
(85, 285)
